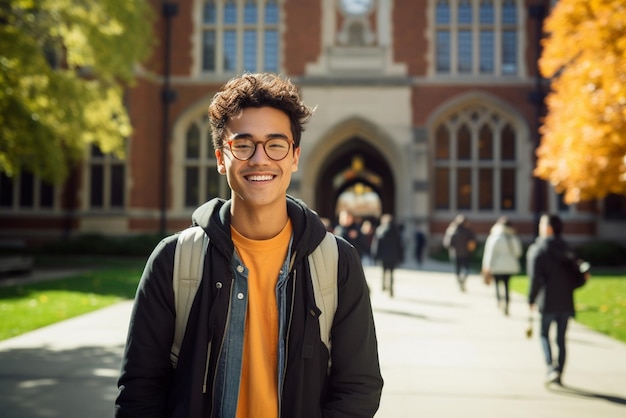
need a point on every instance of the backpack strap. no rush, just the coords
(189, 256)
(323, 265)
(188, 265)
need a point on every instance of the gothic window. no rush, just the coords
(473, 37)
(615, 207)
(106, 180)
(26, 191)
(202, 181)
(240, 35)
(475, 164)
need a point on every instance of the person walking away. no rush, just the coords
(420, 246)
(252, 345)
(460, 241)
(387, 247)
(367, 233)
(554, 275)
(502, 251)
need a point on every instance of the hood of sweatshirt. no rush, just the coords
(214, 218)
(555, 247)
(499, 229)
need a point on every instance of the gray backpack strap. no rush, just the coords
(323, 266)
(188, 265)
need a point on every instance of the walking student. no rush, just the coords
(554, 275)
(501, 256)
(252, 346)
(460, 241)
(387, 247)
(420, 246)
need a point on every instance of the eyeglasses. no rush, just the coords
(243, 149)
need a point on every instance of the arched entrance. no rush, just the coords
(354, 163)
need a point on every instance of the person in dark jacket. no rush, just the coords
(554, 275)
(460, 241)
(420, 246)
(350, 230)
(252, 345)
(387, 247)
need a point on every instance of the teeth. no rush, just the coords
(260, 178)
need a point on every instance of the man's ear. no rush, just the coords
(296, 159)
(221, 168)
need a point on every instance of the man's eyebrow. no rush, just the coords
(241, 135)
(245, 135)
(277, 135)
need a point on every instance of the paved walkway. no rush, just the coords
(443, 354)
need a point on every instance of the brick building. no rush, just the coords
(425, 109)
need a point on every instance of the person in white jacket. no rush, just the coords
(503, 249)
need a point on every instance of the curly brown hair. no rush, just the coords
(257, 90)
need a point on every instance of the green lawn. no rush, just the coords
(600, 304)
(27, 307)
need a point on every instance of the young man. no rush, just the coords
(252, 346)
(552, 284)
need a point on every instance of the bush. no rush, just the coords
(598, 253)
(96, 244)
(603, 253)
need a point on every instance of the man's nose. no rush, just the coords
(259, 154)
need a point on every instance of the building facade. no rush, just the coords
(425, 108)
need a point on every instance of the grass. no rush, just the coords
(600, 304)
(27, 307)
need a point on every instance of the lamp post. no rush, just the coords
(536, 97)
(169, 10)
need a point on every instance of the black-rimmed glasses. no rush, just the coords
(243, 149)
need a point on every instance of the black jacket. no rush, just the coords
(457, 239)
(552, 278)
(150, 387)
(387, 245)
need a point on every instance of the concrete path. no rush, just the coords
(450, 354)
(65, 370)
(443, 353)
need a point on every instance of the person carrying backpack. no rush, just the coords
(252, 345)
(554, 275)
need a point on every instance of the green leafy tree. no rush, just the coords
(583, 147)
(64, 65)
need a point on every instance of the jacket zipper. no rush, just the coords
(219, 355)
(288, 331)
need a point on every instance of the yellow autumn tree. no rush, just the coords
(583, 145)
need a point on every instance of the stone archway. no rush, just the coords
(339, 172)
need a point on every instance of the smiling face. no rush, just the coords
(259, 183)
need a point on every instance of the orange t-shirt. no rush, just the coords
(258, 391)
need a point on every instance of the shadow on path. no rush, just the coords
(583, 393)
(400, 313)
(44, 382)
